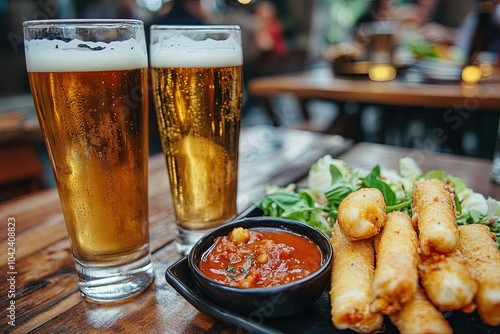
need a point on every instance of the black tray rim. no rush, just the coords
(206, 306)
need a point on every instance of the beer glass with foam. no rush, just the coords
(197, 87)
(89, 84)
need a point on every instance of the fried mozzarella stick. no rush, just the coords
(478, 245)
(396, 274)
(420, 316)
(433, 210)
(361, 214)
(447, 281)
(351, 284)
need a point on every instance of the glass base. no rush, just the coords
(108, 284)
(186, 239)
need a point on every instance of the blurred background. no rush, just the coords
(307, 25)
(278, 37)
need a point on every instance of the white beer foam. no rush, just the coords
(77, 56)
(183, 52)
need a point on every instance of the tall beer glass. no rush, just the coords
(197, 82)
(89, 85)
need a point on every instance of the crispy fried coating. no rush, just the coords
(478, 245)
(437, 229)
(420, 316)
(396, 275)
(351, 284)
(361, 214)
(447, 281)
(434, 212)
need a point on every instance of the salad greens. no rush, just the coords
(331, 180)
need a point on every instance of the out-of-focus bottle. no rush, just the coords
(495, 165)
(380, 52)
(479, 64)
(484, 31)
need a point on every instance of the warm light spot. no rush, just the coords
(486, 70)
(381, 72)
(244, 2)
(471, 74)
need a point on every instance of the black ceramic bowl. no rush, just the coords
(276, 301)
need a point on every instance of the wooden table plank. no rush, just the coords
(322, 84)
(448, 105)
(159, 310)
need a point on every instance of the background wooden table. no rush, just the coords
(450, 107)
(46, 295)
(323, 84)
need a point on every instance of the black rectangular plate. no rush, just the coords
(317, 319)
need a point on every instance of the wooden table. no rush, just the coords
(46, 295)
(455, 100)
(323, 84)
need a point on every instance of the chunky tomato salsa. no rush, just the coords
(261, 257)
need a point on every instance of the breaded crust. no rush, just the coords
(351, 284)
(396, 275)
(361, 214)
(447, 281)
(419, 316)
(478, 245)
(434, 213)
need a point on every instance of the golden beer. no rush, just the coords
(97, 135)
(197, 84)
(199, 112)
(89, 81)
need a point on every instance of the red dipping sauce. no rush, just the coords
(262, 257)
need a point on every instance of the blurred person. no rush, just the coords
(378, 11)
(263, 34)
(182, 12)
(490, 26)
(95, 8)
(269, 36)
(417, 18)
(125, 9)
